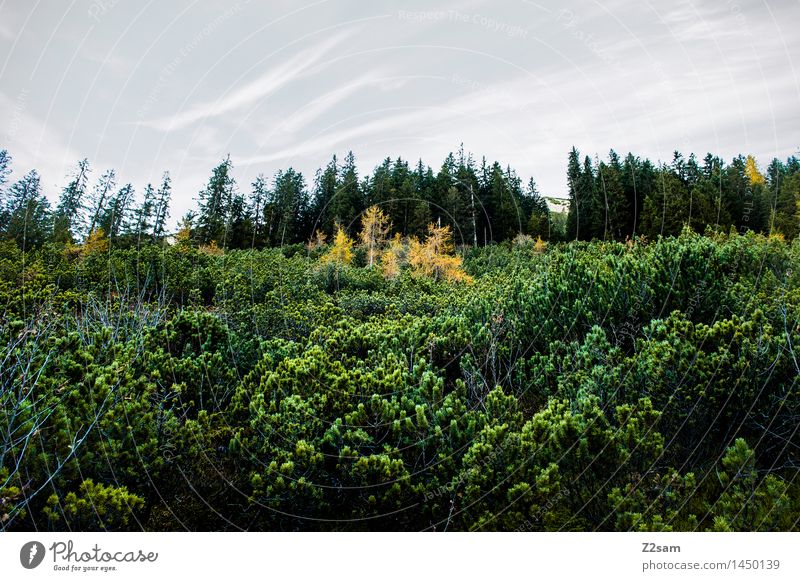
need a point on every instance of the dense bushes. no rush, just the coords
(586, 386)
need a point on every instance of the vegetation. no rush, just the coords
(405, 376)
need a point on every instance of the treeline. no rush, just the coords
(616, 199)
(483, 203)
(103, 208)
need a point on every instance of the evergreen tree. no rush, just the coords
(100, 199)
(69, 210)
(5, 171)
(213, 205)
(576, 209)
(639, 182)
(29, 221)
(161, 207)
(405, 196)
(286, 208)
(468, 188)
(326, 183)
(240, 223)
(614, 198)
(115, 214)
(419, 210)
(593, 216)
(348, 203)
(258, 200)
(143, 216)
(539, 221)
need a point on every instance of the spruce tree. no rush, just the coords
(348, 203)
(115, 215)
(69, 210)
(539, 220)
(29, 220)
(100, 198)
(213, 205)
(161, 207)
(258, 200)
(576, 210)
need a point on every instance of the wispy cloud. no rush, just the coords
(250, 93)
(313, 110)
(32, 143)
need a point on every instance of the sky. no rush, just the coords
(145, 86)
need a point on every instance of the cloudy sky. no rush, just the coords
(146, 86)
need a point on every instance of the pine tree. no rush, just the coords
(100, 198)
(115, 214)
(240, 223)
(638, 181)
(214, 202)
(325, 186)
(614, 199)
(286, 209)
(5, 171)
(593, 216)
(466, 210)
(539, 220)
(161, 207)
(258, 200)
(576, 209)
(69, 210)
(348, 203)
(143, 216)
(419, 211)
(29, 221)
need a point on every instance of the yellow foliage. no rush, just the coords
(390, 265)
(540, 245)
(391, 258)
(374, 229)
(752, 171)
(317, 240)
(96, 242)
(433, 258)
(341, 252)
(211, 249)
(522, 240)
(183, 236)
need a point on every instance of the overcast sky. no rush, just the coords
(146, 86)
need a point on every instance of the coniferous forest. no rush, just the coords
(416, 348)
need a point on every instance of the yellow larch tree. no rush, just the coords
(753, 174)
(374, 230)
(434, 258)
(391, 258)
(341, 251)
